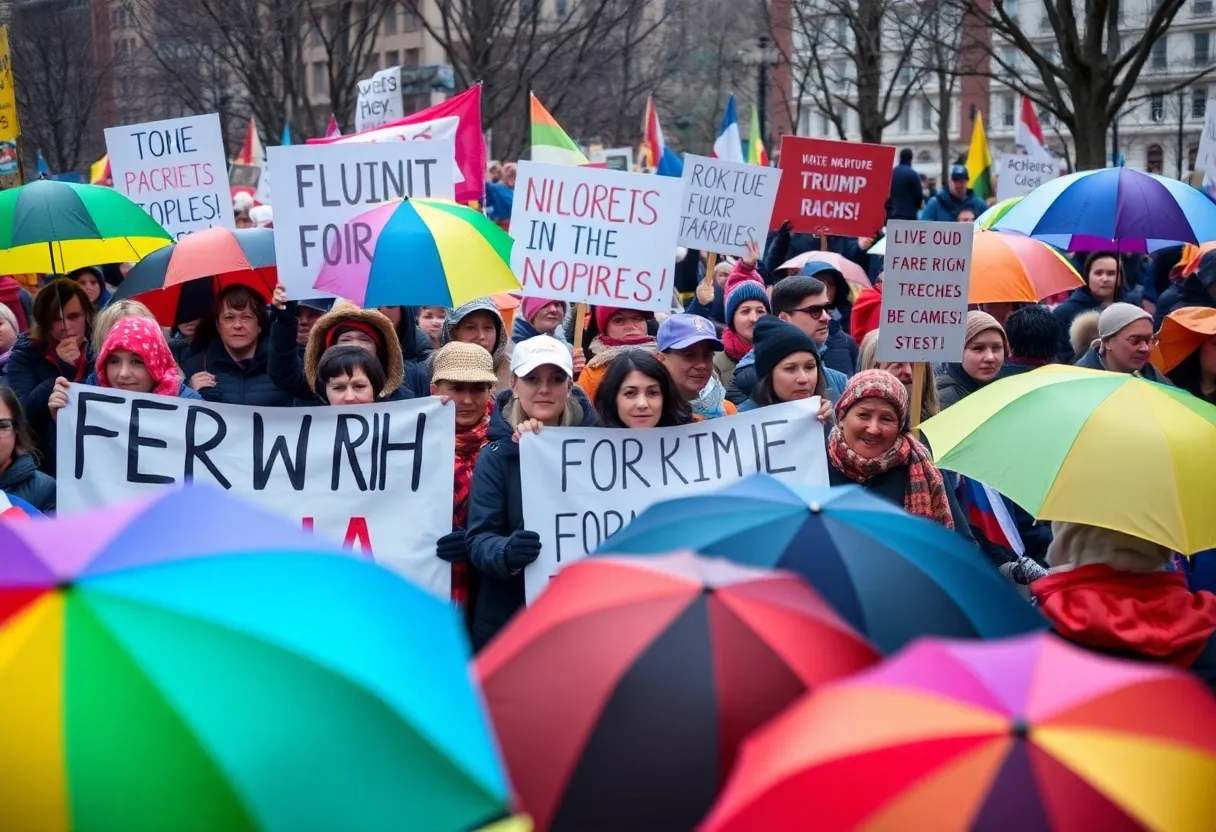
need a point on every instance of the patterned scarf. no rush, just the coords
(736, 347)
(468, 445)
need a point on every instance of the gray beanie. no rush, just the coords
(1118, 316)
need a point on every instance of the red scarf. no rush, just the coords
(926, 493)
(634, 341)
(736, 347)
(82, 363)
(1147, 613)
(468, 445)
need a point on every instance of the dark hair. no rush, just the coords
(21, 426)
(236, 297)
(1095, 256)
(764, 395)
(905, 156)
(343, 361)
(789, 292)
(1033, 332)
(675, 411)
(48, 308)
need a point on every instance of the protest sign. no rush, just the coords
(376, 477)
(592, 235)
(833, 187)
(10, 126)
(1020, 174)
(176, 170)
(726, 204)
(582, 485)
(924, 296)
(380, 99)
(1205, 159)
(317, 189)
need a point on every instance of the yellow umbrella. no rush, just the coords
(1089, 446)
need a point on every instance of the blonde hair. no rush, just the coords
(115, 312)
(867, 359)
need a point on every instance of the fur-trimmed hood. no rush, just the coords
(343, 312)
(1083, 331)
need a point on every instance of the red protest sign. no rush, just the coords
(833, 187)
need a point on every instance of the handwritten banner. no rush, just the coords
(726, 204)
(376, 477)
(834, 187)
(380, 100)
(1020, 174)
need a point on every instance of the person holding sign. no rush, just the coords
(231, 357)
(687, 344)
(638, 392)
(619, 330)
(541, 395)
(479, 322)
(984, 352)
(746, 303)
(787, 367)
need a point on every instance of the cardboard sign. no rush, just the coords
(317, 189)
(833, 187)
(592, 235)
(924, 295)
(10, 126)
(726, 204)
(380, 100)
(582, 485)
(1205, 160)
(176, 170)
(1020, 174)
(377, 477)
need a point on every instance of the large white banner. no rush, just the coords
(376, 477)
(726, 204)
(379, 99)
(318, 188)
(582, 485)
(175, 170)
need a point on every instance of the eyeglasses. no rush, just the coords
(233, 317)
(1141, 340)
(6, 427)
(815, 310)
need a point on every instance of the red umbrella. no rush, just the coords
(852, 272)
(620, 697)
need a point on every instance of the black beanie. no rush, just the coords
(773, 339)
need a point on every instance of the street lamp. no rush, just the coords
(762, 56)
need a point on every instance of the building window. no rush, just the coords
(1199, 102)
(905, 119)
(318, 37)
(413, 58)
(840, 74)
(392, 58)
(1012, 8)
(1044, 23)
(390, 21)
(842, 30)
(1155, 159)
(372, 66)
(1203, 7)
(560, 8)
(1156, 106)
(1157, 56)
(904, 76)
(825, 124)
(1202, 47)
(1046, 118)
(1007, 110)
(1009, 57)
(926, 115)
(411, 19)
(318, 79)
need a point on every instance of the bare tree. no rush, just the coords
(939, 58)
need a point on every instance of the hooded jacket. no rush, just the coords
(495, 511)
(943, 207)
(502, 365)
(954, 385)
(23, 479)
(238, 382)
(841, 304)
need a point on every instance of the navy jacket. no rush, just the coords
(943, 207)
(32, 378)
(416, 349)
(1188, 292)
(247, 382)
(23, 479)
(906, 194)
(495, 510)
(840, 351)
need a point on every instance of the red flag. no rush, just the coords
(332, 130)
(251, 149)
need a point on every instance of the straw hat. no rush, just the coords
(461, 362)
(345, 312)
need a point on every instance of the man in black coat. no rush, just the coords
(907, 196)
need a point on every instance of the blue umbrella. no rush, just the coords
(1117, 209)
(893, 576)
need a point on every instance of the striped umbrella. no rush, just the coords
(420, 252)
(987, 219)
(56, 227)
(1008, 268)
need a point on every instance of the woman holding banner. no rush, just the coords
(541, 395)
(638, 392)
(231, 357)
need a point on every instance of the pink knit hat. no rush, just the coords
(143, 338)
(528, 307)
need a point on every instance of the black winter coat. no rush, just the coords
(1188, 292)
(32, 377)
(840, 351)
(907, 196)
(247, 382)
(22, 479)
(892, 486)
(495, 510)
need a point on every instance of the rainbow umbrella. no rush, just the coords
(1026, 733)
(1008, 268)
(55, 227)
(987, 219)
(160, 670)
(424, 252)
(1046, 438)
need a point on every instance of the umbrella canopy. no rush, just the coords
(1182, 332)
(1027, 733)
(56, 227)
(425, 252)
(1046, 440)
(1007, 268)
(1188, 263)
(620, 696)
(179, 281)
(1115, 209)
(160, 670)
(892, 576)
(852, 272)
(995, 212)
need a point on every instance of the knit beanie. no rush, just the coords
(603, 314)
(740, 292)
(773, 339)
(874, 384)
(530, 306)
(1117, 317)
(978, 322)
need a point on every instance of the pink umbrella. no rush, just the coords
(852, 272)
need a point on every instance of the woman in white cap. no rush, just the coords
(984, 352)
(1124, 344)
(541, 394)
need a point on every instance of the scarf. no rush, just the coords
(82, 362)
(708, 404)
(605, 350)
(926, 494)
(735, 346)
(468, 444)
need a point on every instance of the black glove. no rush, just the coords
(451, 547)
(522, 548)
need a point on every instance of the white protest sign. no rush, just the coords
(176, 170)
(924, 295)
(726, 204)
(1205, 160)
(377, 477)
(318, 188)
(379, 99)
(1020, 174)
(591, 235)
(582, 485)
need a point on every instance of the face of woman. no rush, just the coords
(238, 328)
(355, 338)
(795, 376)
(352, 389)
(639, 402)
(626, 323)
(70, 325)
(8, 435)
(1103, 273)
(187, 328)
(430, 321)
(542, 393)
(91, 285)
(8, 335)
(470, 398)
(477, 328)
(746, 316)
(548, 318)
(871, 427)
(902, 370)
(126, 371)
(984, 355)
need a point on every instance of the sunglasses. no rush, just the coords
(815, 310)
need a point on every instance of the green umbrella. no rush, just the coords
(988, 219)
(55, 227)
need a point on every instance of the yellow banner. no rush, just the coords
(10, 129)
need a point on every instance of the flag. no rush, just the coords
(979, 161)
(15, 508)
(251, 150)
(756, 154)
(670, 164)
(550, 143)
(332, 130)
(729, 145)
(652, 135)
(285, 139)
(99, 172)
(986, 510)
(1029, 134)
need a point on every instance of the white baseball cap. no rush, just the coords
(538, 351)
